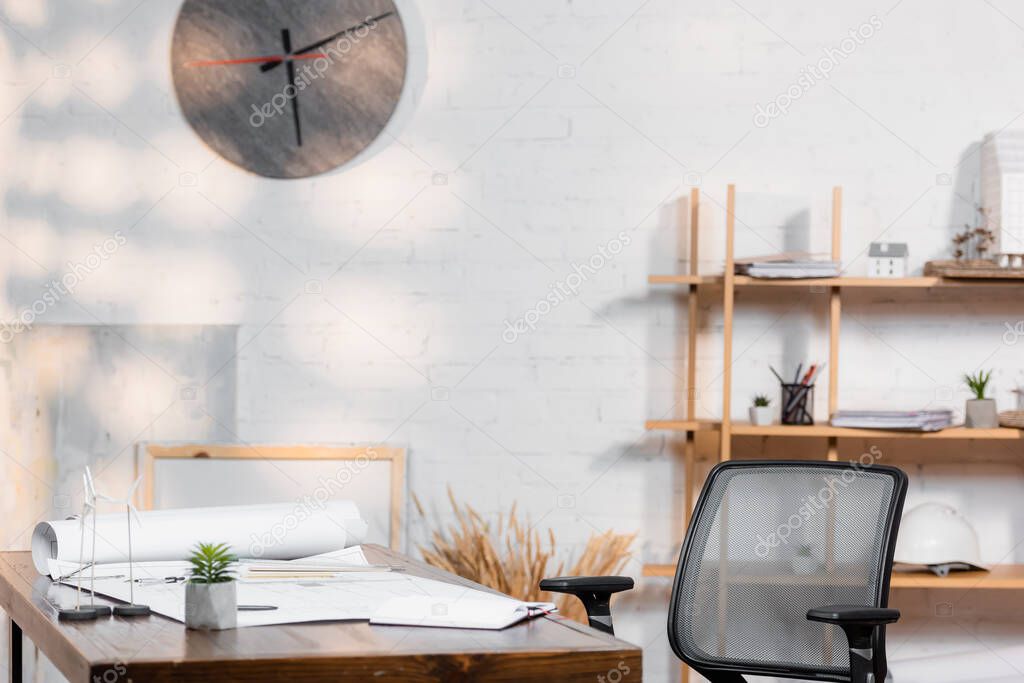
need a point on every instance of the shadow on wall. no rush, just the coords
(965, 205)
(84, 395)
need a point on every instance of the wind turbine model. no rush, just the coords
(79, 613)
(131, 609)
(90, 502)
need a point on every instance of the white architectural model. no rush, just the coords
(1002, 189)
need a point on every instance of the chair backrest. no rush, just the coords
(769, 541)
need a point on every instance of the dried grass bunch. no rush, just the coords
(510, 557)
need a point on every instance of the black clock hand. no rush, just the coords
(309, 48)
(286, 38)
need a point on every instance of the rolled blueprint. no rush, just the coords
(282, 531)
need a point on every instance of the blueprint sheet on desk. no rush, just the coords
(354, 597)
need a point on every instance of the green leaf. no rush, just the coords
(211, 563)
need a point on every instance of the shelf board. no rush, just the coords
(1002, 577)
(684, 425)
(663, 570)
(874, 282)
(824, 430)
(684, 279)
(921, 282)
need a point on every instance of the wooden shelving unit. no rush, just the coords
(1002, 577)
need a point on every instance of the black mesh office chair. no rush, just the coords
(778, 559)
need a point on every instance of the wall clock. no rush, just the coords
(288, 89)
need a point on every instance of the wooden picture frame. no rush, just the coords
(147, 453)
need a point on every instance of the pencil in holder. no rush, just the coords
(797, 403)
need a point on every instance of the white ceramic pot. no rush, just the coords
(211, 606)
(761, 415)
(980, 413)
(804, 565)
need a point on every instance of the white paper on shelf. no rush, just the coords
(920, 420)
(787, 265)
(282, 531)
(359, 596)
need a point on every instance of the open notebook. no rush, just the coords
(475, 609)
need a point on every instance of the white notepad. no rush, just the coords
(473, 610)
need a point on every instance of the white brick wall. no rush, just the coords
(541, 169)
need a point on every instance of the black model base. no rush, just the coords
(101, 610)
(131, 610)
(77, 614)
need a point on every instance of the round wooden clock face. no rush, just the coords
(288, 88)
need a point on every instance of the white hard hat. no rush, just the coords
(936, 535)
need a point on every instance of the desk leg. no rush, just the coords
(15, 653)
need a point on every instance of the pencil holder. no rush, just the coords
(797, 403)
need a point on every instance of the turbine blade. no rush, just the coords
(90, 486)
(135, 513)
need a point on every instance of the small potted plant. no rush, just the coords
(980, 412)
(761, 411)
(211, 595)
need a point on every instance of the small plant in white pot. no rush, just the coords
(804, 562)
(980, 412)
(211, 594)
(761, 411)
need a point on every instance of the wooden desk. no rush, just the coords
(155, 648)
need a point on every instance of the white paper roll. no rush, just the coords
(282, 531)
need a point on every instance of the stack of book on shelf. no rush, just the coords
(790, 265)
(914, 420)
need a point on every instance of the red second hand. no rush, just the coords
(255, 60)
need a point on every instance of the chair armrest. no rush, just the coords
(865, 633)
(578, 584)
(854, 614)
(595, 592)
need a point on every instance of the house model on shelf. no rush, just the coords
(887, 259)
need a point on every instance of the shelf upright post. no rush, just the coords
(725, 448)
(834, 311)
(690, 453)
(691, 358)
(728, 294)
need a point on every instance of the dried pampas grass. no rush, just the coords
(510, 556)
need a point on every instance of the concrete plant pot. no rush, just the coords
(805, 565)
(980, 413)
(211, 606)
(760, 415)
